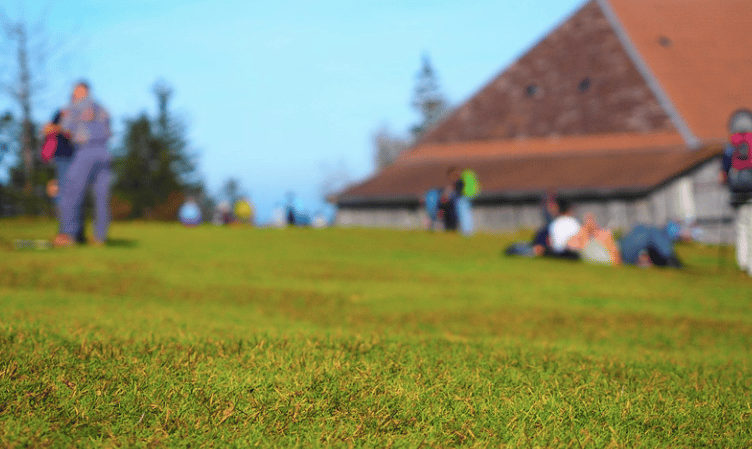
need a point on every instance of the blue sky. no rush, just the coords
(275, 92)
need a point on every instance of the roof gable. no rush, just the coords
(578, 80)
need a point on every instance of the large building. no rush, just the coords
(623, 109)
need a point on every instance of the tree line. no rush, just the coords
(154, 166)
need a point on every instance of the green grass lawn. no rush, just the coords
(234, 337)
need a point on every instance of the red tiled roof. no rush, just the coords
(699, 50)
(605, 173)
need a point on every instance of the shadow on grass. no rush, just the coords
(121, 243)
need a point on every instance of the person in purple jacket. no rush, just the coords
(59, 149)
(88, 126)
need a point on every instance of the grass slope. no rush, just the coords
(363, 338)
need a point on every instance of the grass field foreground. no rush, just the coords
(233, 337)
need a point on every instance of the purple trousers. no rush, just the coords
(90, 167)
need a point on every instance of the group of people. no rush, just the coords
(564, 237)
(76, 141)
(450, 205)
(241, 212)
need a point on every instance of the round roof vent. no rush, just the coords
(584, 85)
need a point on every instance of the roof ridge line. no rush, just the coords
(651, 80)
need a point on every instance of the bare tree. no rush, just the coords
(334, 178)
(163, 91)
(24, 56)
(430, 103)
(387, 147)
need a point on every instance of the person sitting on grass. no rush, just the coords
(539, 245)
(643, 246)
(560, 231)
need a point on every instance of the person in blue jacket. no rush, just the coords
(87, 125)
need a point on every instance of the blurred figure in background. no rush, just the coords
(736, 173)
(550, 211)
(294, 213)
(319, 220)
(431, 202)
(291, 208)
(540, 243)
(549, 207)
(223, 215)
(190, 214)
(448, 202)
(644, 246)
(561, 230)
(279, 219)
(244, 211)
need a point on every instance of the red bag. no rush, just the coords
(49, 147)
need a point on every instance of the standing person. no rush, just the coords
(57, 147)
(452, 192)
(736, 174)
(88, 125)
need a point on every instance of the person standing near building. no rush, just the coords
(88, 126)
(448, 200)
(736, 173)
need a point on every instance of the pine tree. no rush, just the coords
(154, 171)
(427, 99)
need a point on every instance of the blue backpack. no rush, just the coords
(432, 203)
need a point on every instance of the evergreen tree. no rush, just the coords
(427, 99)
(154, 171)
(431, 105)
